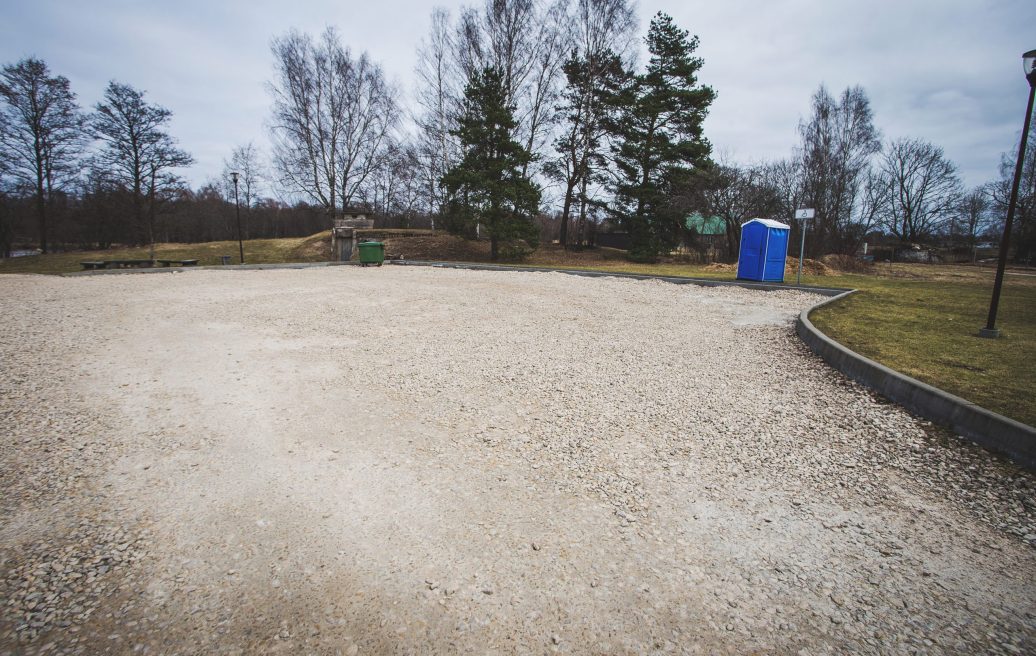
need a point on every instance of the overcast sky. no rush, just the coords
(945, 70)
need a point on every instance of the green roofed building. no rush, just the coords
(710, 236)
(706, 226)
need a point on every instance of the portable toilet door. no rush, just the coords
(764, 249)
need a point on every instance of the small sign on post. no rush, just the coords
(803, 215)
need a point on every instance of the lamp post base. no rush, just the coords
(989, 333)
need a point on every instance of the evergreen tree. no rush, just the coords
(580, 148)
(659, 141)
(488, 187)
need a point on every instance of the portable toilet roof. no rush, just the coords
(769, 223)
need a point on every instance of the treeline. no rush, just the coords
(522, 107)
(76, 179)
(862, 187)
(530, 120)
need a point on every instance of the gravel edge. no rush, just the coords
(984, 427)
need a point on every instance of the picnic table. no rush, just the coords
(95, 264)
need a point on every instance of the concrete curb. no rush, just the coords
(589, 273)
(984, 427)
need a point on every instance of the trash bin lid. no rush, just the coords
(371, 243)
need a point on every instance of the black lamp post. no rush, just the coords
(1029, 65)
(237, 203)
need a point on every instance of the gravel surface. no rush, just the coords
(412, 460)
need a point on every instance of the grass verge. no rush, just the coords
(928, 329)
(257, 251)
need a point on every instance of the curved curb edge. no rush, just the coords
(995, 432)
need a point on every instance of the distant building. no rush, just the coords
(711, 230)
(343, 234)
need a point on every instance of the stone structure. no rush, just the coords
(343, 234)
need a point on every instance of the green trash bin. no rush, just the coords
(371, 252)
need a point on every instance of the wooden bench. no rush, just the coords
(183, 263)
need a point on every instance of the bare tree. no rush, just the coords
(332, 118)
(247, 162)
(1023, 232)
(739, 193)
(306, 126)
(137, 154)
(972, 218)
(6, 228)
(527, 40)
(372, 114)
(838, 143)
(438, 98)
(539, 113)
(41, 133)
(606, 25)
(395, 189)
(921, 189)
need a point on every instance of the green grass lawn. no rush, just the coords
(928, 329)
(921, 320)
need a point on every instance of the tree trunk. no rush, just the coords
(581, 235)
(41, 216)
(563, 234)
(151, 217)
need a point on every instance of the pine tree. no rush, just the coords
(488, 187)
(659, 140)
(580, 148)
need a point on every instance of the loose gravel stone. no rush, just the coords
(261, 461)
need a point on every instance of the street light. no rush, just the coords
(237, 203)
(1029, 66)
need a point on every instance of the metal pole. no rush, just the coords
(802, 252)
(990, 330)
(240, 244)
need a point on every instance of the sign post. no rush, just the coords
(803, 215)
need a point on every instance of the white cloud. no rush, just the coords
(948, 71)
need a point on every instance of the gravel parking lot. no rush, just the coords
(414, 460)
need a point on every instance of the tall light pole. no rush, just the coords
(1029, 66)
(237, 203)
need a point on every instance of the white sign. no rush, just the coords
(803, 214)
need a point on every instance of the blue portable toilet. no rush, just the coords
(764, 248)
